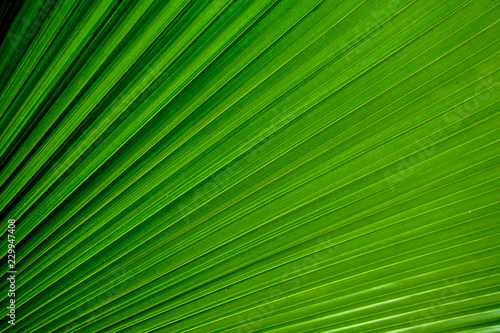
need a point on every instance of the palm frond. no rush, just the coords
(251, 165)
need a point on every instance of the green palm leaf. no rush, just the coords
(251, 166)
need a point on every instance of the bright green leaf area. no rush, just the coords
(251, 165)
